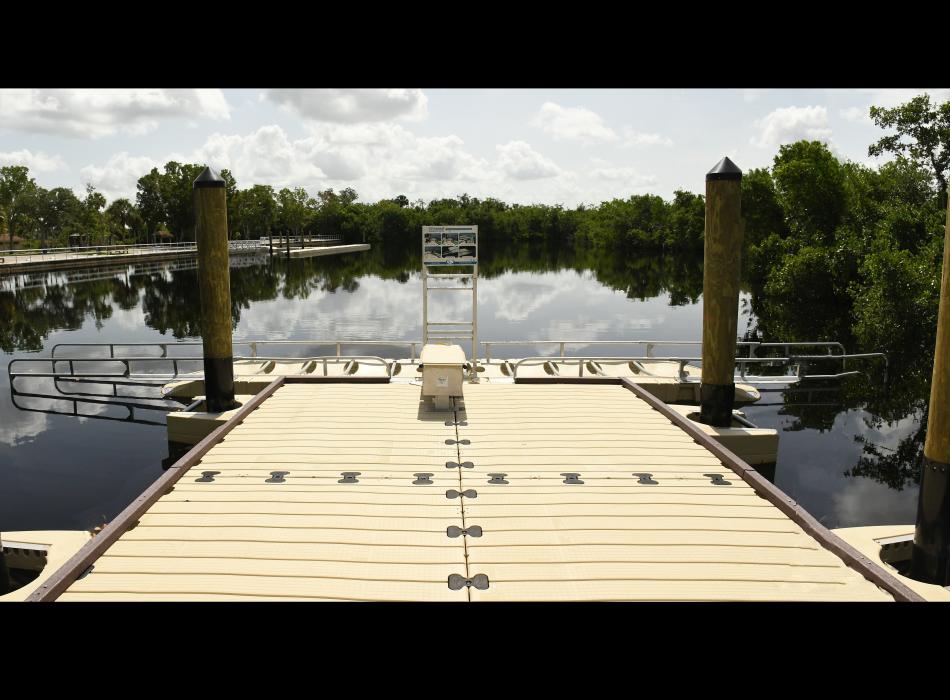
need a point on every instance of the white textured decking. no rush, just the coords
(384, 538)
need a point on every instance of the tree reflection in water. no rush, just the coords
(35, 306)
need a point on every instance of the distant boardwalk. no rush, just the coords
(66, 258)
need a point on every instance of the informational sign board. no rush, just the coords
(449, 245)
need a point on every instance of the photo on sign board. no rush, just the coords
(466, 253)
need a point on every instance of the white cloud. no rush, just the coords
(518, 160)
(753, 94)
(892, 97)
(266, 156)
(119, 175)
(635, 139)
(856, 115)
(353, 106)
(573, 124)
(39, 161)
(790, 124)
(602, 170)
(381, 160)
(98, 113)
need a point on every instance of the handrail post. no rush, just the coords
(930, 560)
(722, 250)
(211, 217)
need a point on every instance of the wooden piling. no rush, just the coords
(930, 560)
(722, 250)
(6, 585)
(211, 217)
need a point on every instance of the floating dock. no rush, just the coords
(326, 250)
(325, 489)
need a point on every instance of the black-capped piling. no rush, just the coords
(721, 259)
(214, 285)
(930, 560)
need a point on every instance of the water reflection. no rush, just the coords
(849, 450)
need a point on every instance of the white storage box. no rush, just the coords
(442, 371)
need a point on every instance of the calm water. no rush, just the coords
(67, 472)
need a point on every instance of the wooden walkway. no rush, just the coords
(552, 492)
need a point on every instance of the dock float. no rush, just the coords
(322, 489)
(328, 250)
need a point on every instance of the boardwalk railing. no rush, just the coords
(79, 252)
(300, 241)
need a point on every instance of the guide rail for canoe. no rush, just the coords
(753, 353)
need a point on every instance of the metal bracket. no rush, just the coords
(276, 478)
(456, 465)
(206, 477)
(422, 478)
(450, 423)
(471, 531)
(497, 478)
(718, 480)
(467, 493)
(645, 478)
(457, 582)
(349, 478)
(572, 478)
(465, 441)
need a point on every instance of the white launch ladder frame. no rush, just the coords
(459, 330)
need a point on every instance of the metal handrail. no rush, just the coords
(651, 344)
(72, 374)
(683, 361)
(743, 362)
(252, 344)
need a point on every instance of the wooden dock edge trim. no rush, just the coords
(567, 380)
(64, 577)
(304, 379)
(830, 541)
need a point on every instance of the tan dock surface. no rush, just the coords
(383, 537)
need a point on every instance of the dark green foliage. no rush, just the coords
(923, 133)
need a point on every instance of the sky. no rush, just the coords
(519, 145)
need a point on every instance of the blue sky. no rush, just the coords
(520, 145)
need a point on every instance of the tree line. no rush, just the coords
(809, 203)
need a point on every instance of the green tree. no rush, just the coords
(258, 210)
(150, 202)
(62, 214)
(16, 198)
(124, 221)
(923, 133)
(294, 209)
(94, 221)
(810, 186)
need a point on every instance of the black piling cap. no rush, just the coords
(209, 178)
(724, 170)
